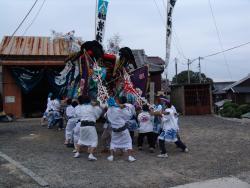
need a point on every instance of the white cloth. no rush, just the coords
(121, 140)
(48, 105)
(131, 109)
(76, 133)
(70, 111)
(71, 124)
(169, 127)
(55, 105)
(88, 136)
(146, 122)
(88, 112)
(117, 118)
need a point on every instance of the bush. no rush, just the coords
(229, 104)
(244, 108)
(233, 110)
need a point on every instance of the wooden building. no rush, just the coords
(239, 92)
(156, 67)
(192, 99)
(32, 53)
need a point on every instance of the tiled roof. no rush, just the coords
(156, 64)
(237, 83)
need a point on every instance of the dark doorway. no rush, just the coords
(34, 103)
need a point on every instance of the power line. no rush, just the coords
(229, 49)
(35, 17)
(24, 19)
(219, 38)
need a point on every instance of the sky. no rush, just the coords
(142, 26)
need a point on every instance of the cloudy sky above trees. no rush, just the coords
(141, 26)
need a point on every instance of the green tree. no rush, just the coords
(182, 78)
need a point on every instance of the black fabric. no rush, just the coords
(87, 123)
(26, 78)
(162, 146)
(178, 143)
(120, 129)
(150, 139)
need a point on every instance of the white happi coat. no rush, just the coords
(169, 126)
(117, 118)
(88, 134)
(146, 122)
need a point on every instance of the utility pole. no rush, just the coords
(188, 71)
(176, 72)
(200, 58)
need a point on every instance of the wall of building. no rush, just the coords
(12, 95)
(177, 98)
(156, 78)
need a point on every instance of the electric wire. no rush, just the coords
(35, 17)
(24, 19)
(219, 39)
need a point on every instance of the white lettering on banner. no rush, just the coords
(101, 19)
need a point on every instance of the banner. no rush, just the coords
(170, 7)
(26, 78)
(101, 15)
(139, 79)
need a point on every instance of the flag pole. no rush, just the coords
(96, 6)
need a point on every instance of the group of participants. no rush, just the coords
(158, 123)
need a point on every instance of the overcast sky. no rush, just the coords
(140, 26)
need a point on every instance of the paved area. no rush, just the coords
(218, 148)
(218, 183)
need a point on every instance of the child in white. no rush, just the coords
(117, 115)
(71, 121)
(146, 123)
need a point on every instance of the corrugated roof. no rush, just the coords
(37, 46)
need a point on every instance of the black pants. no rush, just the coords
(178, 143)
(59, 122)
(132, 135)
(150, 138)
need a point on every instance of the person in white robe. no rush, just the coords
(48, 108)
(71, 122)
(88, 115)
(169, 131)
(55, 115)
(117, 115)
(131, 122)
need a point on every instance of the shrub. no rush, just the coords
(244, 108)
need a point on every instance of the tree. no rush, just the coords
(114, 44)
(182, 78)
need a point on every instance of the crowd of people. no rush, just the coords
(158, 123)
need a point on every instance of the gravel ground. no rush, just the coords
(218, 148)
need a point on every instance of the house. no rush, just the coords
(239, 92)
(32, 54)
(192, 99)
(218, 93)
(155, 64)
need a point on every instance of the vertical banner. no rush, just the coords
(101, 14)
(170, 7)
